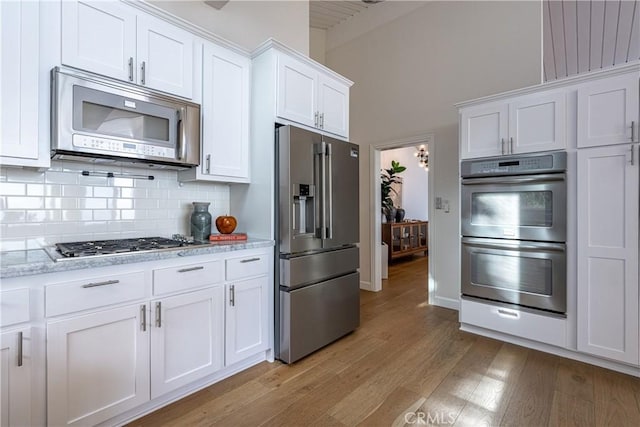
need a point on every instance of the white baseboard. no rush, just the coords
(367, 286)
(450, 303)
(558, 351)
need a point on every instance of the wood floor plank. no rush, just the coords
(488, 402)
(530, 403)
(406, 357)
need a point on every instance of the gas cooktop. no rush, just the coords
(120, 246)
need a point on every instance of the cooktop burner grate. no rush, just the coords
(109, 247)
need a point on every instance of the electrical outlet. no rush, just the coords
(438, 202)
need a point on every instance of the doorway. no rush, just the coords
(376, 216)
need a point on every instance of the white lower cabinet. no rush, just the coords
(608, 193)
(187, 338)
(247, 323)
(97, 365)
(15, 378)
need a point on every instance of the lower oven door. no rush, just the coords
(530, 274)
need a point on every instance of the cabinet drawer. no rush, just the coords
(14, 307)
(168, 280)
(247, 266)
(94, 292)
(523, 324)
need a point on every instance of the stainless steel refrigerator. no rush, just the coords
(317, 224)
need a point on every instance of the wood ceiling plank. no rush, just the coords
(611, 16)
(557, 32)
(547, 45)
(633, 51)
(624, 31)
(583, 10)
(597, 26)
(569, 10)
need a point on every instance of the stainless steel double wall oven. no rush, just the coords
(514, 212)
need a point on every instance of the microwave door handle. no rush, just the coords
(529, 179)
(512, 244)
(182, 136)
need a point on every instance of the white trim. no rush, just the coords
(366, 286)
(573, 80)
(547, 348)
(375, 219)
(452, 304)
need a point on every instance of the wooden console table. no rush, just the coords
(406, 238)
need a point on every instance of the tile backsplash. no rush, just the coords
(61, 205)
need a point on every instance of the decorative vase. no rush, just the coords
(390, 213)
(400, 215)
(201, 222)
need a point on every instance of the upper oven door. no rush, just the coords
(531, 207)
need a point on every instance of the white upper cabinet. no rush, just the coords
(608, 112)
(483, 131)
(115, 40)
(311, 96)
(19, 84)
(527, 124)
(608, 194)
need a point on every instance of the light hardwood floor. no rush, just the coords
(408, 364)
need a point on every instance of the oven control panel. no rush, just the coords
(513, 165)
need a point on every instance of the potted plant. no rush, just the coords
(388, 178)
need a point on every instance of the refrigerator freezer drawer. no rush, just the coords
(303, 270)
(316, 315)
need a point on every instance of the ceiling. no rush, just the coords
(324, 14)
(587, 35)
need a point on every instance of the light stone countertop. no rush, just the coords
(37, 261)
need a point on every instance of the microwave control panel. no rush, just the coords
(116, 146)
(515, 165)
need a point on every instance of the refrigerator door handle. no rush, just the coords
(322, 176)
(329, 232)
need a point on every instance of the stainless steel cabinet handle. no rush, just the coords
(143, 317)
(511, 145)
(184, 270)
(322, 121)
(143, 69)
(250, 260)
(159, 314)
(633, 131)
(20, 338)
(131, 68)
(502, 145)
(315, 119)
(208, 167)
(632, 159)
(232, 295)
(105, 283)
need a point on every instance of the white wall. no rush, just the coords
(317, 44)
(415, 185)
(248, 23)
(409, 72)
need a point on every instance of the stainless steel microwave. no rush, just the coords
(97, 119)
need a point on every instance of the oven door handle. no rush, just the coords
(513, 244)
(528, 179)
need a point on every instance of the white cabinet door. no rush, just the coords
(333, 104)
(247, 323)
(608, 111)
(19, 33)
(537, 123)
(484, 131)
(187, 338)
(15, 378)
(99, 36)
(97, 365)
(225, 114)
(297, 90)
(165, 56)
(608, 191)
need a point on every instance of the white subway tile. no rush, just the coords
(106, 192)
(43, 215)
(145, 204)
(77, 215)
(14, 202)
(92, 203)
(11, 217)
(122, 182)
(120, 203)
(24, 230)
(106, 215)
(24, 175)
(52, 177)
(133, 193)
(13, 189)
(77, 191)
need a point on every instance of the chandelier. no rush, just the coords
(423, 157)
